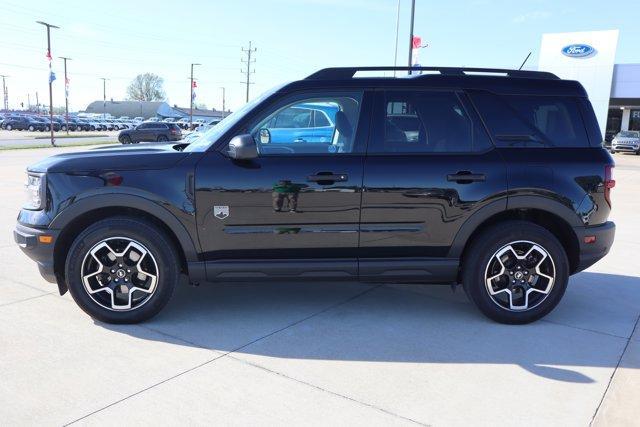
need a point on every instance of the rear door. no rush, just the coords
(430, 165)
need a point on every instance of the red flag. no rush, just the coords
(416, 42)
(194, 85)
(49, 55)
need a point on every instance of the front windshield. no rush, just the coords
(202, 143)
(629, 134)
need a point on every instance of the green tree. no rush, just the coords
(146, 87)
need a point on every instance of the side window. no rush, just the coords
(424, 122)
(310, 125)
(532, 121)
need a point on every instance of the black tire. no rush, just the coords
(8, 127)
(481, 253)
(92, 128)
(151, 238)
(126, 139)
(31, 128)
(162, 138)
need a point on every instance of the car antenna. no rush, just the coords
(525, 61)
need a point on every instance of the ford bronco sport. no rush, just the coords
(495, 179)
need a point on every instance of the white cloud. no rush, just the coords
(531, 16)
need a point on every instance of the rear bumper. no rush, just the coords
(590, 253)
(27, 239)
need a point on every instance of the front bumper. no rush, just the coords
(590, 253)
(42, 253)
(625, 147)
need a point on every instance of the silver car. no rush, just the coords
(627, 141)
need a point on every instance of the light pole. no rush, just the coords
(5, 98)
(191, 103)
(413, 10)
(104, 96)
(49, 27)
(395, 54)
(223, 99)
(66, 93)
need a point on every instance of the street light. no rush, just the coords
(49, 27)
(223, 98)
(104, 97)
(191, 104)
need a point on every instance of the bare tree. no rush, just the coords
(146, 87)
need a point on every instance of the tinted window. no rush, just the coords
(144, 126)
(424, 122)
(323, 124)
(518, 120)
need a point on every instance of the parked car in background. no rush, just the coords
(22, 123)
(626, 141)
(152, 119)
(169, 120)
(48, 124)
(150, 132)
(183, 123)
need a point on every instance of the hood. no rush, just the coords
(627, 139)
(157, 156)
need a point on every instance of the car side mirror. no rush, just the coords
(243, 147)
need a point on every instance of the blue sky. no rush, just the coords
(119, 39)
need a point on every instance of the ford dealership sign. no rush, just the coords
(578, 50)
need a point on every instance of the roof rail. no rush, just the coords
(341, 73)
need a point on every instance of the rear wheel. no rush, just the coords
(126, 139)
(31, 128)
(162, 138)
(122, 270)
(515, 272)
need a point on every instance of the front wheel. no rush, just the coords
(162, 138)
(122, 270)
(515, 272)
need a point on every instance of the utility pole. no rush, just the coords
(5, 97)
(223, 98)
(249, 61)
(191, 103)
(66, 93)
(413, 10)
(49, 27)
(104, 96)
(37, 103)
(28, 101)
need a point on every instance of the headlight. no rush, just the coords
(35, 191)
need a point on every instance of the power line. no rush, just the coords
(248, 72)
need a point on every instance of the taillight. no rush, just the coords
(609, 182)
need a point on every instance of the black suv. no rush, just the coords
(495, 179)
(23, 123)
(149, 132)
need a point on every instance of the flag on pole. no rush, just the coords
(416, 44)
(52, 76)
(48, 55)
(193, 95)
(194, 85)
(66, 87)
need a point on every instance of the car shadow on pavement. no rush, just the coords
(400, 324)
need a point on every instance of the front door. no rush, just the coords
(298, 203)
(429, 167)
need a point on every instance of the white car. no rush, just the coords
(627, 141)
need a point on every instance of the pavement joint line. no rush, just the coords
(17, 282)
(606, 390)
(343, 396)
(24, 299)
(221, 355)
(585, 329)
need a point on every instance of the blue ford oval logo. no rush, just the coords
(578, 50)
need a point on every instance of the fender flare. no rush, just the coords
(111, 200)
(541, 203)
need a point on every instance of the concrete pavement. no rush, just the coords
(326, 353)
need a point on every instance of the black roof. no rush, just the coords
(495, 80)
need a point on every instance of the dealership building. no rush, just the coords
(589, 57)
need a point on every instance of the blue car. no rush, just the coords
(310, 122)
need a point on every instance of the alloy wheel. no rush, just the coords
(120, 274)
(520, 275)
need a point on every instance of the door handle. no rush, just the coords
(466, 177)
(328, 178)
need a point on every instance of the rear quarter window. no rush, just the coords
(530, 121)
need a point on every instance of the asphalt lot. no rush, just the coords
(328, 353)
